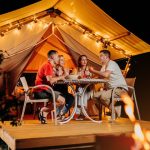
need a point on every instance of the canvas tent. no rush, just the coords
(73, 27)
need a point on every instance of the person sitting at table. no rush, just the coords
(111, 71)
(45, 75)
(63, 88)
(83, 72)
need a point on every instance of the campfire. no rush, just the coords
(141, 136)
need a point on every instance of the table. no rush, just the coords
(87, 83)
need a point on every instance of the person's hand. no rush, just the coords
(91, 69)
(66, 73)
(74, 71)
(63, 77)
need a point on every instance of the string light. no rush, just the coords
(98, 43)
(98, 40)
(19, 26)
(40, 24)
(10, 26)
(106, 36)
(45, 26)
(35, 20)
(16, 31)
(84, 31)
(30, 26)
(2, 34)
(105, 40)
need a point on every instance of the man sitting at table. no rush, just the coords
(46, 75)
(111, 71)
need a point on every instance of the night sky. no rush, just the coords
(132, 14)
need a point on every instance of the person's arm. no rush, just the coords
(74, 71)
(102, 74)
(66, 71)
(54, 79)
(49, 75)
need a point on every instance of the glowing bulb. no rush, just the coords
(2, 34)
(30, 26)
(45, 26)
(35, 20)
(78, 20)
(85, 35)
(98, 44)
(10, 25)
(16, 31)
(106, 36)
(97, 33)
(40, 24)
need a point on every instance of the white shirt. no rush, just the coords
(116, 77)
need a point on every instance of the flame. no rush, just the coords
(142, 139)
(127, 100)
(129, 106)
(129, 112)
(147, 135)
(146, 145)
(138, 132)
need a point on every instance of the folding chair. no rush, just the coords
(29, 100)
(131, 91)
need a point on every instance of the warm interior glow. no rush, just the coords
(45, 26)
(106, 36)
(40, 24)
(85, 36)
(30, 26)
(98, 44)
(16, 31)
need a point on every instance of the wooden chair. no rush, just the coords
(29, 100)
(131, 91)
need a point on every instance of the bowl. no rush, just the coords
(72, 77)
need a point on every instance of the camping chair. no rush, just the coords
(131, 91)
(29, 100)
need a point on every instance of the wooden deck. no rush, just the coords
(32, 134)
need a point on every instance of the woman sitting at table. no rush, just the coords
(83, 72)
(63, 88)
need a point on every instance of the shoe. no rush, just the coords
(42, 118)
(61, 118)
(117, 111)
(108, 113)
(78, 117)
